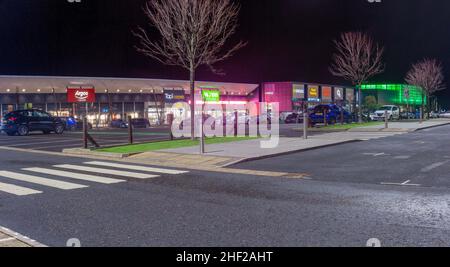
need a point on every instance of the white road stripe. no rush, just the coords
(17, 190)
(78, 176)
(41, 181)
(135, 167)
(434, 166)
(106, 171)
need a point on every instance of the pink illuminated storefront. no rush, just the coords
(293, 96)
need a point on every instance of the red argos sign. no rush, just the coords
(81, 95)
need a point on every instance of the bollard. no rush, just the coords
(305, 124)
(342, 116)
(386, 119)
(85, 133)
(130, 131)
(325, 118)
(235, 124)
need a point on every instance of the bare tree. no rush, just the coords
(193, 33)
(428, 75)
(357, 59)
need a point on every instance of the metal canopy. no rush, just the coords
(46, 84)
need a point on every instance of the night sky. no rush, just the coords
(288, 40)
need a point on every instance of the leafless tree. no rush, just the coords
(357, 59)
(193, 33)
(428, 75)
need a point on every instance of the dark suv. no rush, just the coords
(22, 122)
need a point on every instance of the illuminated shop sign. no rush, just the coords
(210, 95)
(313, 93)
(298, 92)
(350, 94)
(326, 93)
(338, 93)
(80, 95)
(174, 96)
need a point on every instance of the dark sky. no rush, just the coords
(288, 39)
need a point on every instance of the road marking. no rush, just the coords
(405, 183)
(78, 176)
(106, 171)
(41, 181)
(135, 167)
(17, 190)
(375, 154)
(434, 166)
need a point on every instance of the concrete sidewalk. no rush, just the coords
(402, 126)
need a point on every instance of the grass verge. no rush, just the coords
(350, 126)
(145, 147)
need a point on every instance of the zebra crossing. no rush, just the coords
(76, 173)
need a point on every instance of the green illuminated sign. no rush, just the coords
(211, 95)
(399, 94)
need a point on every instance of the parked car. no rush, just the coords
(393, 113)
(407, 115)
(22, 122)
(119, 124)
(331, 112)
(434, 115)
(140, 123)
(444, 115)
(294, 118)
(73, 124)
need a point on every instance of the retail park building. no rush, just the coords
(154, 98)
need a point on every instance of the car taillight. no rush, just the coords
(12, 119)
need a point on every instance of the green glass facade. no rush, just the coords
(394, 94)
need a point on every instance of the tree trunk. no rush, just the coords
(422, 107)
(360, 120)
(192, 83)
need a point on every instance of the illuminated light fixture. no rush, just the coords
(118, 90)
(141, 90)
(38, 90)
(129, 91)
(24, 90)
(8, 90)
(222, 102)
(106, 90)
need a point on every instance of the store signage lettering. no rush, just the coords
(211, 95)
(80, 95)
(338, 93)
(173, 96)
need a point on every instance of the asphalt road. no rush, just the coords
(419, 158)
(216, 209)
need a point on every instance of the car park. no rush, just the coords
(22, 122)
(332, 113)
